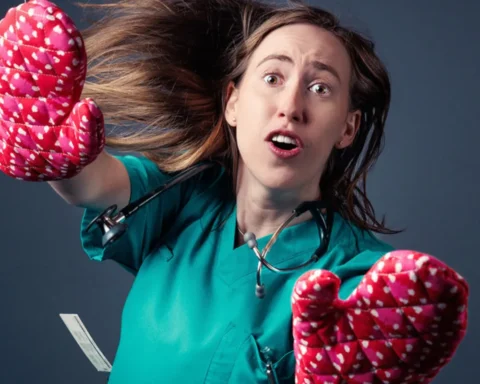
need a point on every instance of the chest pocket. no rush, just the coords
(240, 359)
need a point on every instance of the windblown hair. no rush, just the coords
(159, 70)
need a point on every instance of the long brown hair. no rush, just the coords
(159, 71)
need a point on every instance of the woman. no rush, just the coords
(292, 106)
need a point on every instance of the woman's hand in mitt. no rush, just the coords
(46, 132)
(402, 324)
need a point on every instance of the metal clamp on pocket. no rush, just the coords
(272, 377)
(271, 374)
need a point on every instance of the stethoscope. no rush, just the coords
(113, 226)
(324, 225)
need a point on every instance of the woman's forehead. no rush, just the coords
(304, 43)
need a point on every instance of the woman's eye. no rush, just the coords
(320, 88)
(271, 79)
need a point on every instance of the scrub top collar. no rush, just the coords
(294, 245)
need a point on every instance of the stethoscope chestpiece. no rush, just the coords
(111, 227)
(260, 291)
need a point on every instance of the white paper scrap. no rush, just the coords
(85, 341)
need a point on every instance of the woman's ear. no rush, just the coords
(231, 105)
(352, 124)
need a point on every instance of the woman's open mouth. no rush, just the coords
(284, 146)
(284, 142)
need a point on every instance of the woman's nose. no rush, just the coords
(291, 105)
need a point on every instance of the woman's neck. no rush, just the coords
(261, 210)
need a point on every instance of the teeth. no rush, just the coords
(284, 139)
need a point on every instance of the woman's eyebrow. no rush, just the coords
(319, 65)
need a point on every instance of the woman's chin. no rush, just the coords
(282, 180)
(284, 183)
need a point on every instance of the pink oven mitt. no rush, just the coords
(46, 132)
(402, 323)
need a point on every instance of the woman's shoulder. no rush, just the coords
(355, 251)
(357, 239)
(356, 247)
(197, 180)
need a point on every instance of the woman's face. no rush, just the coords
(291, 108)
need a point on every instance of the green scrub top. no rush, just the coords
(191, 315)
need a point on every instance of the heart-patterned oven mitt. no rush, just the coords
(46, 132)
(402, 323)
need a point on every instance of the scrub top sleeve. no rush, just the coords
(352, 272)
(146, 225)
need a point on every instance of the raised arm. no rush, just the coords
(100, 184)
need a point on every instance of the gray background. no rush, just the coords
(425, 181)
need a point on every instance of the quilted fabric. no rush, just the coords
(402, 323)
(46, 133)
